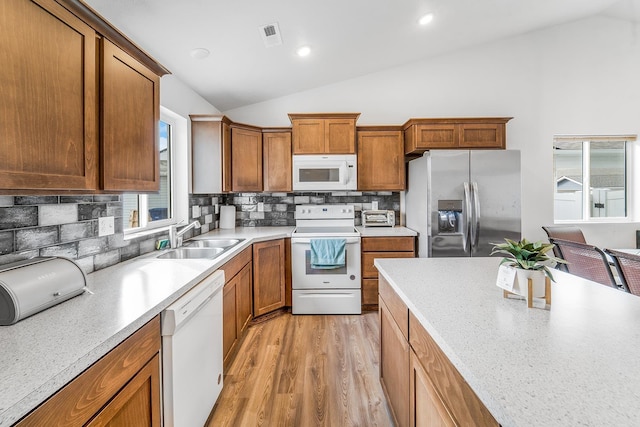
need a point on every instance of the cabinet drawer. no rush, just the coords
(83, 397)
(369, 271)
(235, 264)
(395, 244)
(456, 394)
(397, 308)
(370, 291)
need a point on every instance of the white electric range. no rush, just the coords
(320, 290)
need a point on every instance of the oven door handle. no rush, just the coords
(304, 240)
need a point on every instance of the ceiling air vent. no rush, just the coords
(270, 35)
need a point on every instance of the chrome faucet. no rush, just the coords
(175, 236)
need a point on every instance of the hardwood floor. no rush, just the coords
(306, 371)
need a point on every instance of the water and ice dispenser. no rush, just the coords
(449, 216)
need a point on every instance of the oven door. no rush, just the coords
(304, 276)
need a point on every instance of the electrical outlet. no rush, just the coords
(260, 207)
(196, 211)
(106, 226)
(374, 205)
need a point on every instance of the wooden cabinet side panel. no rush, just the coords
(244, 298)
(226, 158)
(288, 279)
(269, 276)
(381, 163)
(394, 366)
(454, 390)
(48, 98)
(246, 160)
(340, 136)
(395, 244)
(482, 135)
(206, 155)
(137, 404)
(394, 304)
(308, 136)
(426, 405)
(83, 397)
(277, 162)
(130, 119)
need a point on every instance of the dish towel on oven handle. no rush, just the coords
(328, 253)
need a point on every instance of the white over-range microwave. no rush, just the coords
(325, 172)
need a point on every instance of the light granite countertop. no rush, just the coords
(42, 353)
(396, 231)
(575, 363)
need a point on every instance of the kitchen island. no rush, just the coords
(574, 363)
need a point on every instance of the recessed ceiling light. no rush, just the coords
(426, 19)
(303, 51)
(199, 53)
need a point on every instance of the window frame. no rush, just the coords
(586, 141)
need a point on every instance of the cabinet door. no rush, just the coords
(244, 300)
(229, 318)
(381, 160)
(482, 135)
(308, 136)
(394, 365)
(137, 404)
(48, 98)
(246, 160)
(426, 406)
(340, 136)
(268, 277)
(437, 135)
(277, 161)
(131, 116)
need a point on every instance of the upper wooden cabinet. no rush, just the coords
(464, 133)
(276, 152)
(210, 154)
(324, 133)
(48, 96)
(381, 164)
(246, 158)
(130, 117)
(69, 121)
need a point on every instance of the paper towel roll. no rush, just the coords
(227, 217)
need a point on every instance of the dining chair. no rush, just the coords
(628, 266)
(586, 261)
(564, 232)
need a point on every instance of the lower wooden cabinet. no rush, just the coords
(236, 302)
(269, 276)
(380, 247)
(426, 406)
(121, 389)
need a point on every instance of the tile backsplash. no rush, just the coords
(67, 225)
(278, 209)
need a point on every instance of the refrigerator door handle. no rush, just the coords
(466, 232)
(475, 226)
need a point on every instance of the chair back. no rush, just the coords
(586, 261)
(564, 232)
(628, 266)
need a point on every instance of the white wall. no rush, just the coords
(577, 78)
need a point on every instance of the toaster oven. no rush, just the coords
(378, 218)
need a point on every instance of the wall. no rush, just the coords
(576, 78)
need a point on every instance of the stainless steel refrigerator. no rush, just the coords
(461, 201)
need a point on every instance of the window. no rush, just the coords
(591, 177)
(143, 212)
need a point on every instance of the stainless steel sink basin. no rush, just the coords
(192, 253)
(212, 243)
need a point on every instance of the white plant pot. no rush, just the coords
(521, 287)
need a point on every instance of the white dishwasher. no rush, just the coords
(192, 354)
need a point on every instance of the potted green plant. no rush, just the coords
(532, 260)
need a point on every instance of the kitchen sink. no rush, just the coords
(212, 243)
(192, 253)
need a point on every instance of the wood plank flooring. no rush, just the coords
(306, 371)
